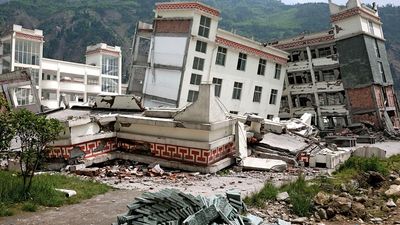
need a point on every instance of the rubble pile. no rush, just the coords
(173, 207)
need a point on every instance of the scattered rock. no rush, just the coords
(394, 190)
(282, 222)
(375, 179)
(358, 210)
(283, 196)
(322, 214)
(376, 220)
(321, 198)
(299, 220)
(390, 203)
(396, 181)
(342, 204)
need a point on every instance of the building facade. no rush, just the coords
(341, 76)
(23, 49)
(184, 47)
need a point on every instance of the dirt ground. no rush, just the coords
(100, 210)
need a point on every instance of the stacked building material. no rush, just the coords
(172, 207)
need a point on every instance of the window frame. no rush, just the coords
(257, 94)
(237, 90)
(242, 59)
(221, 56)
(278, 71)
(192, 96)
(195, 79)
(273, 97)
(201, 46)
(217, 86)
(198, 64)
(204, 27)
(262, 65)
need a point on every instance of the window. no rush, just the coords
(192, 96)
(201, 46)
(241, 65)
(237, 90)
(195, 79)
(324, 52)
(261, 67)
(371, 27)
(217, 86)
(270, 117)
(204, 29)
(49, 94)
(377, 52)
(382, 71)
(278, 68)
(27, 52)
(49, 76)
(24, 96)
(221, 56)
(109, 65)
(92, 81)
(272, 99)
(109, 85)
(234, 112)
(198, 63)
(257, 94)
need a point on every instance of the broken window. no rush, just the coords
(261, 66)
(328, 75)
(241, 65)
(192, 96)
(324, 52)
(295, 56)
(201, 46)
(217, 86)
(221, 56)
(109, 65)
(24, 96)
(237, 90)
(278, 68)
(109, 85)
(376, 46)
(313, 54)
(330, 99)
(204, 29)
(382, 72)
(274, 95)
(198, 63)
(195, 79)
(291, 78)
(284, 102)
(270, 117)
(304, 100)
(257, 94)
(234, 112)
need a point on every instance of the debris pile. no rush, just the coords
(173, 207)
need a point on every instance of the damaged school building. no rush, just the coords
(341, 76)
(201, 98)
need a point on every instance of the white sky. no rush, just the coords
(379, 2)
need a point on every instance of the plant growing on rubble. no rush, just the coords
(7, 130)
(35, 133)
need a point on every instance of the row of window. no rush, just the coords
(237, 90)
(27, 52)
(198, 63)
(109, 65)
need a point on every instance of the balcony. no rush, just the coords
(49, 84)
(93, 88)
(72, 86)
(326, 61)
(298, 66)
(329, 86)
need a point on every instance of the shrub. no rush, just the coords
(365, 165)
(268, 192)
(29, 207)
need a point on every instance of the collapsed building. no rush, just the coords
(184, 47)
(342, 75)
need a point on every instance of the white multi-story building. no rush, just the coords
(23, 48)
(185, 48)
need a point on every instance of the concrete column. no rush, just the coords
(58, 82)
(85, 82)
(290, 104)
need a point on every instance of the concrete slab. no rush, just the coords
(284, 142)
(264, 164)
(241, 140)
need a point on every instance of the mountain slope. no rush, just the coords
(70, 25)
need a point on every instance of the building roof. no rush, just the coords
(187, 5)
(305, 40)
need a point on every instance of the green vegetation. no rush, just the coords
(300, 191)
(267, 193)
(360, 164)
(43, 192)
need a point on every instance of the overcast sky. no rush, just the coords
(380, 2)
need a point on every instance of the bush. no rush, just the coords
(268, 192)
(365, 165)
(5, 211)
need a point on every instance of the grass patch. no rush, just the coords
(29, 207)
(267, 193)
(361, 164)
(43, 191)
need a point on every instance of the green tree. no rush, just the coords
(7, 131)
(35, 132)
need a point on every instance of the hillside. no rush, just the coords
(71, 25)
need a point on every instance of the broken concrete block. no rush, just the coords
(241, 140)
(264, 164)
(283, 196)
(252, 220)
(73, 168)
(90, 172)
